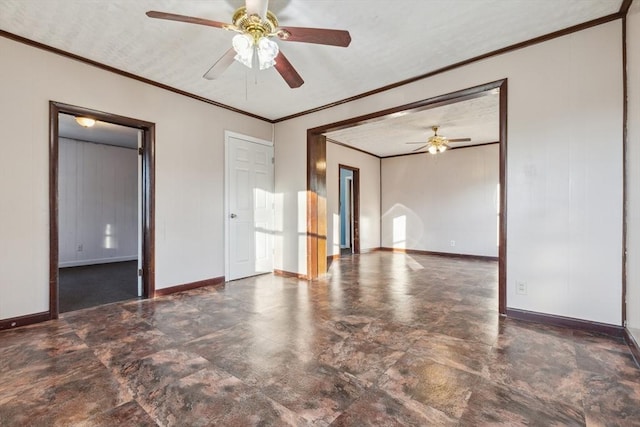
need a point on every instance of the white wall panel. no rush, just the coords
(564, 168)
(369, 167)
(189, 169)
(633, 170)
(428, 201)
(97, 203)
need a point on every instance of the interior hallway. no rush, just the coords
(387, 339)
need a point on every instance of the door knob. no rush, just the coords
(233, 215)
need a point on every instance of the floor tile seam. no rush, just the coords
(239, 306)
(609, 376)
(499, 345)
(479, 376)
(129, 384)
(254, 390)
(258, 391)
(80, 312)
(375, 383)
(218, 368)
(194, 339)
(107, 372)
(409, 399)
(547, 398)
(403, 399)
(122, 383)
(203, 311)
(607, 370)
(430, 334)
(27, 337)
(147, 409)
(106, 411)
(620, 349)
(48, 360)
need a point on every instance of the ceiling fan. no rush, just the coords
(437, 143)
(254, 46)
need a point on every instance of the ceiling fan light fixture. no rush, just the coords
(243, 45)
(267, 52)
(442, 148)
(85, 122)
(433, 149)
(246, 48)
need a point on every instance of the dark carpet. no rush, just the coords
(91, 285)
(346, 251)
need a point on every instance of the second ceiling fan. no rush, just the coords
(254, 46)
(437, 143)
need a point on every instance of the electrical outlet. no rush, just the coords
(521, 288)
(80, 248)
(452, 243)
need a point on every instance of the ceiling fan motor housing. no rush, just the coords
(254, 24)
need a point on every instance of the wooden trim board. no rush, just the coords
(567, 322)
(29, 319)
(188, 286)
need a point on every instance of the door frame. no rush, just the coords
(355, 213)
(317, 176)
(148, 195)
(227, 135)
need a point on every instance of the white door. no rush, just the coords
(249, 195)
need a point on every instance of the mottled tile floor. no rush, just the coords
(385, 340)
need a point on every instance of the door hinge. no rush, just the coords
(140, 150)
(273, 160)
(140, 272)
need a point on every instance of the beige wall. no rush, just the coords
(442, 203)
(564, 205)
(633, 170)
(189, 169)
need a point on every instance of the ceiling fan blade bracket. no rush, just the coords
(231, 27)
(282, 34)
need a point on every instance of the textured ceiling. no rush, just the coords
(100, 133)
(391, 41)
(476, 118)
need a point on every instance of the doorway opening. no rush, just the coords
(317, 188)
(349, 202)
(101, 208)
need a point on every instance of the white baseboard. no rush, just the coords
(79, 263)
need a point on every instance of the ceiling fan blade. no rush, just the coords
(420, 148)
(257, 7)
(315, 35)
(459, 139)
(183, 18)
(221, 65)
(288, 73)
